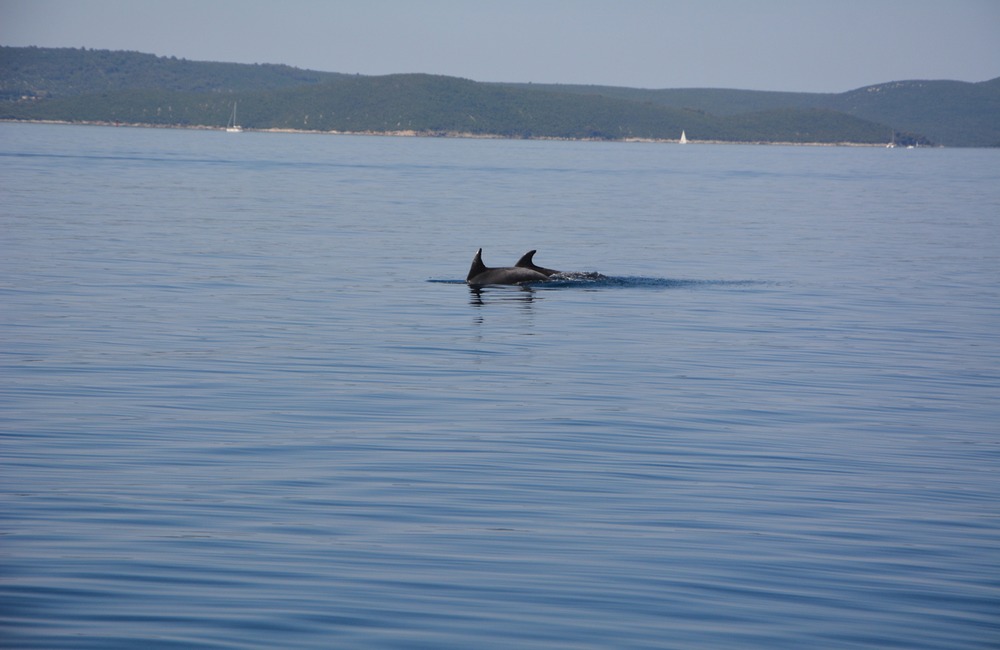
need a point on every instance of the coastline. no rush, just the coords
(436, 134)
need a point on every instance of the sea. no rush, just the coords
(247, 400)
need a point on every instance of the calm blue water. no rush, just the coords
(247, 402)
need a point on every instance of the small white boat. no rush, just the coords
(684, 138)
(233, 127)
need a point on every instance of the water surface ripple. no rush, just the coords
(247, 401)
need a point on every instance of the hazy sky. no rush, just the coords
(795, 45)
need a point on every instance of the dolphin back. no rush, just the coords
(507, 275)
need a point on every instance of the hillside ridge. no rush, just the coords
(79, 85)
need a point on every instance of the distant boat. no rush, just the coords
(684, 138)
(233, 127)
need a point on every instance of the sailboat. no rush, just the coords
(233, 127)
(684, 138)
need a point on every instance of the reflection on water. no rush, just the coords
(480, 296)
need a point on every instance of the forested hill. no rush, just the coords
(951, 113)
(79, 85)
(61, 72)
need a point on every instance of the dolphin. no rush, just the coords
(480, 274)
(527, 263)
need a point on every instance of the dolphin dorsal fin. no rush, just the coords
(477, 265)
(526, 260)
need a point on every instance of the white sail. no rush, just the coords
(684, 138)
(233, 127)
